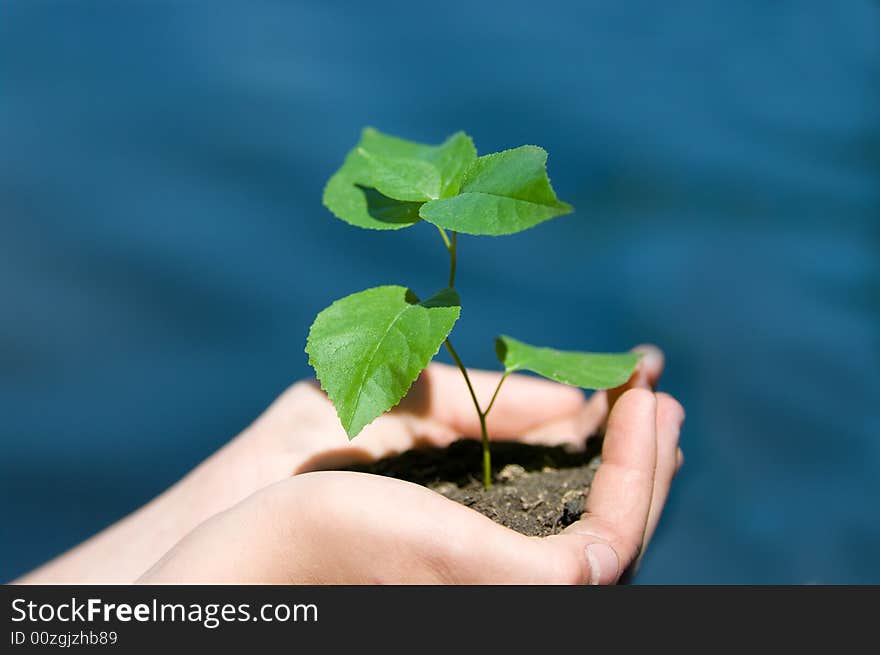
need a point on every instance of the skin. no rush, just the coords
(269, 508)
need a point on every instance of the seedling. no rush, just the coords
(368, 348)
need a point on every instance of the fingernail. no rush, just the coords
(603, 563)
(650, 354)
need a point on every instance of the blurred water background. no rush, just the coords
(163, 247)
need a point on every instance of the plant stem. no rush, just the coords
(487, 458)
(453, 249)
(451, 246)
(464, 372)
(445, 237)
(495, 395)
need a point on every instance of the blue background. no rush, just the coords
(163, 248)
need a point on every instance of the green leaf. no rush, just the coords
(579, 369)
(502, 193)
(384, 180)
(411, 180)
(368, 348)
(436, 171)
(415, 172)
(349, 196)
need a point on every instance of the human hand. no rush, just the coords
(300, 433)
(343, 527)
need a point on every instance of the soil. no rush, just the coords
(537, 490)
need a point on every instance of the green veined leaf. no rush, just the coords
(384, 180)
(502, 193)
(406, 170)
(410, 180)
(579, 369)
(350, 196)
(368, 348)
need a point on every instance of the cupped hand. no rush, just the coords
(326, 527)
(300, 431)
(343, 527)
(300, 434)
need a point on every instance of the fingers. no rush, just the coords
(611, 533)
(523, 402)
(527, 408)
(646, 375)
(670, 416)
(593, 414)
(572, 429)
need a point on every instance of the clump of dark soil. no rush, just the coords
(537, 490)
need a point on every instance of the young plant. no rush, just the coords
(368, 348)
